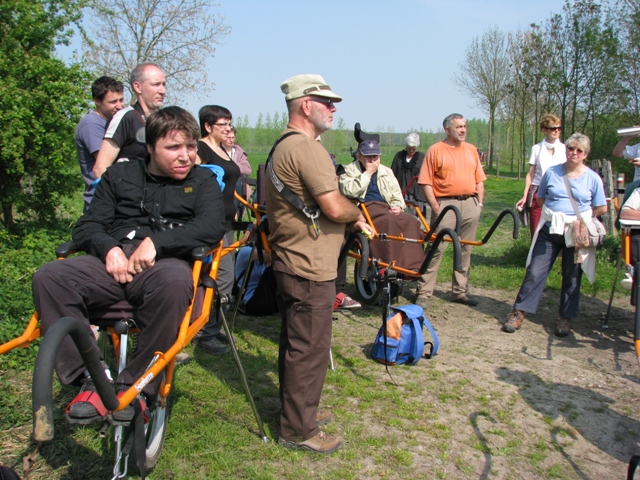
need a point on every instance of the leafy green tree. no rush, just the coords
(243, 131)
(485, 73)
(627, 13)
(582, 80)
(179, 35)
(41, 101)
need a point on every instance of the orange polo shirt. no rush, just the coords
(452, 171)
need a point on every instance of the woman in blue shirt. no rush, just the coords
(554, 235)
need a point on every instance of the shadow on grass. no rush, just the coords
(486, 451)
(65, 452)
(257, 345)
(586, 411)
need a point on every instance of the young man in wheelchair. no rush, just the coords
(144, 220)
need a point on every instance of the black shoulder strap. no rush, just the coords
(286, 135)
(292, 198)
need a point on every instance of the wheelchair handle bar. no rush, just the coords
(364, 251)
(457, 249)
(42, 395)
(441, 215)
(503, 214)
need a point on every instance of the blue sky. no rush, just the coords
(391, 61)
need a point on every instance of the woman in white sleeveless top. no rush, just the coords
(545, 154)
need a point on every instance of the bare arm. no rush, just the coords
(527, 184)
(106, 156)
(480, 189)
(630, 214)
(618, 150)
(597, 211)
(338, 208)
(431, 198)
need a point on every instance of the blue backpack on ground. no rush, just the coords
(400, 340)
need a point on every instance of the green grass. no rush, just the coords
(390, 431)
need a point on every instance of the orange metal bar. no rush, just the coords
(390, 266)
(28, 336)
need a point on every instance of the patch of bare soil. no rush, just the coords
(525, 405)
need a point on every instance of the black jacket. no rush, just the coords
(405, 171)
(129, 201)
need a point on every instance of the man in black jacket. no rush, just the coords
(144, 220)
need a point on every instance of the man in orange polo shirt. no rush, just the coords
(452, 174)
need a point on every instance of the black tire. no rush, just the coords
(155, 432)
(368, 288)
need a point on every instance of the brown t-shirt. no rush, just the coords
(303, 165)
(452, 171)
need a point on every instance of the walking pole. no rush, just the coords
(243, 287)
(243, 376)
(331, 366)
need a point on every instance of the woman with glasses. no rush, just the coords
(554, 235)
(215, 125)
(545, 154)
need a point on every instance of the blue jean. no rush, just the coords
(545, 252)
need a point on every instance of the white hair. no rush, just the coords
(412, 140)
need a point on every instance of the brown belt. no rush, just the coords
(457, 197)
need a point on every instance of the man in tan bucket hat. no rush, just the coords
(307, 219)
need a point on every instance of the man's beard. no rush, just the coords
(321, 123)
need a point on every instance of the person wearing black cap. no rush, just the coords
(367, 180)
(307, 221)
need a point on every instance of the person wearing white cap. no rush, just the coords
(406, 167)
(307, 220)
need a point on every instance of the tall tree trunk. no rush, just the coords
(7, 215)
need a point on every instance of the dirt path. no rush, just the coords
(522, 405)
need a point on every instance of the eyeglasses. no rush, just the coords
(558, 129)
(325, 101)
(224, 124)
(579, 150)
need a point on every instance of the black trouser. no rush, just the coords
(77, 286)
(306, 309)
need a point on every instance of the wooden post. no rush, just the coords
(603, 168)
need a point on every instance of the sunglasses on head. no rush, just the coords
(579, 150)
